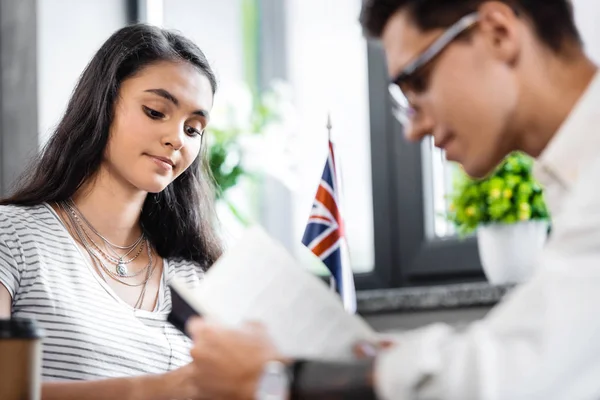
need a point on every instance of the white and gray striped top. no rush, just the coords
(90, 333)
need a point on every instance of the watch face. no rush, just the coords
(274, 382)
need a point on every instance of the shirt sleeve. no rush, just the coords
(9, 266)
(540, 342)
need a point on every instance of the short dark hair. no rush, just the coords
(179, 220)
(552, 19)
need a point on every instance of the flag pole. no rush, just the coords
(332, 284)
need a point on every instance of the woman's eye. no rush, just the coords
(153, 113)
(192, 131)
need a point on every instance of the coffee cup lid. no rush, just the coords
(19, 328)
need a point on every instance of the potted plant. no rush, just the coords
(508, 211)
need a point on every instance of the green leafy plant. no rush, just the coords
(240, 116)
(510, 194)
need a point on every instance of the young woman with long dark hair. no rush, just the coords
(118, 201)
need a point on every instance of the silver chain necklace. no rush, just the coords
(71, 204)
(119, 261)
(100, 267)
(85, 241)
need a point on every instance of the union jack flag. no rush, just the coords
(324, 234)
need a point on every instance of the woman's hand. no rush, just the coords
(229, 362)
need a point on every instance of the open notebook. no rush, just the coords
(258, 280)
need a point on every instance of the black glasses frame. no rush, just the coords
(436, 47)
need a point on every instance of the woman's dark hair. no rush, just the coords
(553, 20)
(179, 221)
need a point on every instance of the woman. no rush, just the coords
(116, 204)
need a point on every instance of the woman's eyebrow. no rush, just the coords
(167, 95)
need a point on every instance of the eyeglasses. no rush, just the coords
(401, 86)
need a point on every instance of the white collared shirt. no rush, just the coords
(542, 342)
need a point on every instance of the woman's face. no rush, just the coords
(160, 116)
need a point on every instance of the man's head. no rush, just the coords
(466, 66)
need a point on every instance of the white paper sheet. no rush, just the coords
(257, 280)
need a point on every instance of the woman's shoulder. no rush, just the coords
(16, 217)
(189, 271)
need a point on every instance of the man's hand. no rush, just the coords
(364, 350)
(230, 361)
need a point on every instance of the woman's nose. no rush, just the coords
(175, 138)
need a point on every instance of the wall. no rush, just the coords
(215, 26)
(587, 13)
(18, 89)
(69, 33)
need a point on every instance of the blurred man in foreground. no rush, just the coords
(483, 78)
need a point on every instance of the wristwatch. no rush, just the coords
(274, 382)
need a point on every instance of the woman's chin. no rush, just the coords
(154, 186)
(156, 189)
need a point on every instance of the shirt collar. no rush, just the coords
(575, 144)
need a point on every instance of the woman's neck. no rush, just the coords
(112, 207)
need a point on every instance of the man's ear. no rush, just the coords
(502, 30)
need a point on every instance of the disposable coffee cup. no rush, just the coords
(20, 359)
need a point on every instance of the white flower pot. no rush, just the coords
(509, 252)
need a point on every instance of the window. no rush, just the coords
(438, 175)
(395, 235)
(399, 188)
(327, 69)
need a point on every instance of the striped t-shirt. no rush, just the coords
(89, 332)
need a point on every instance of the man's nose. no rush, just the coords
(418, 128)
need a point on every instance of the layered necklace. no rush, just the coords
(119, 262)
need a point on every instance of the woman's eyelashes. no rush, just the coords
(153, 114)
(157, 115)
(191, 131)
